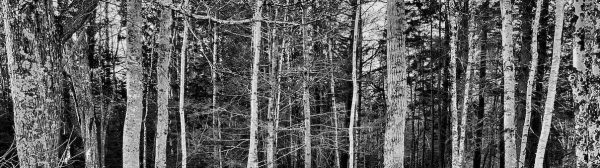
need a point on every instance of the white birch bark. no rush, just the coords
(353, 107)
(256, 39)
(184, 45)
(454, 23)
(551, 94)
(307, 56)
(510, 148)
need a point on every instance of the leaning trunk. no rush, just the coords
(549, 106)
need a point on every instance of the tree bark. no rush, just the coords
(256, 39)
(510, 149)
(456, 161)
(551, 95)
(306, 54)
(186, 29)
(163, 85)
(215, 91)
(396, 86)
(474, 46)
(355, 86)
(34, 80)
(133, 117)
(530, 83)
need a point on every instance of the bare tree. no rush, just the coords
(256, 39)
(552, 80)
(510, 148)
(355, 85)
(133, 118)
(163, 81)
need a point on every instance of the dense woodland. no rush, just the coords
(300, 83)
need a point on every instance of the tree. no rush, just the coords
(530, 81)
(133, 117)
(256, 39)
(163, 85)
(355, 85)
(306, 55)
(452, 17)
(34, 75)
(184, 45)
(510, 148)
(396, 86)
(552, 80)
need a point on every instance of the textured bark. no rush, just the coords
(184, 45)
(34, 70)
(551, 94)
(481, 106)
(530, 86)
(355, 85)
(163, 86)
(396, 86)
(336, 133)
(215, 91)
(510, 148)
(456, 161)
(133, 117)
(585, 85)
(474, 50)
(256, 39)
(272, 112)
(307, 56)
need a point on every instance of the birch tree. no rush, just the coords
(452, 16)
(163, 85)
(184, 45)
(396, 86)
(256, 39)
(355, 86)
(306, 54)
(333, 104)
(510, 148)
(133, 117)
(552, 80)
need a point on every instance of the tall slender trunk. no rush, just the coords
(530, 81)
(163, 85)
(186, 29)
(481, 106)
(133, 118)
(396, 86)
(551, 95)
(272, 100)
(456, 161)
(336, 142)
(307, 56)
(355, 86)
(215, 92)
(256, 39)
(510, 149)
(473, 51)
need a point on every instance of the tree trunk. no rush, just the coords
(186, 29)
(333, 104)
(396, 86)
(133, 118)
(306, 54)
(530, 81)
(256, 39)
(272, 100)
(355, 86)
(456, 161)
(473, 42)
(510, 149)
(215, 91)
(163, 85)
(549, 106)
(481, 106)
(585, 89)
